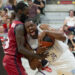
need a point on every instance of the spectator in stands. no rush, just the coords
(8, 22)
(41, 5)
(72, 29)
(10, 4)
(5, 12)
(25, 1)
(70, 21)
(4, 16)
(1, 27)
(12, 17)
(66, 29)
(7, 25)
(1, 5)
(34, 12)
(5, 20)
(71, 42)
(0, 18)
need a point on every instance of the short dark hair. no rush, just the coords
(5, 9)
(20, 6)
(28, 20)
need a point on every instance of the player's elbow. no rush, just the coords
(61, 36)
(64, 38)
(19, 50)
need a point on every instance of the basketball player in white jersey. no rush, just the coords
(63, 63)
(54, 53)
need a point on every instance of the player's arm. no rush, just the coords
(55, 34)
(20, 38)
(50, 32)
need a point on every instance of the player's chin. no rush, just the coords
(32, 34)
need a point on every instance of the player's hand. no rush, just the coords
(35, 63)
(44, 27)
(42, 52)
(44, 55)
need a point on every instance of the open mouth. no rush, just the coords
(32, 32)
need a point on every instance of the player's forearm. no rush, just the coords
(28, 54)
(57, 35)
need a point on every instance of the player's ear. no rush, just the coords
(36, 25)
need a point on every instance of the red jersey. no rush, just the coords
(11, 45)
(6, 28)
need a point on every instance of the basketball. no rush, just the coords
(47, 41)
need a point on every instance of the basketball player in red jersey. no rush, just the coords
(16, 43)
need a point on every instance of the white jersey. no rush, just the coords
(32, 42)
(61, 60)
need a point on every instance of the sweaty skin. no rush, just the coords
(56, 35)
(31, 30)
(53, 33)
(20, 39)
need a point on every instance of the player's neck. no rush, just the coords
(35, 36)
(17, 17)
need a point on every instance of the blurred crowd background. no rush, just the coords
(37, 13)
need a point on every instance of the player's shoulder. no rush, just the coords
(19, 27)
(20, 30)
